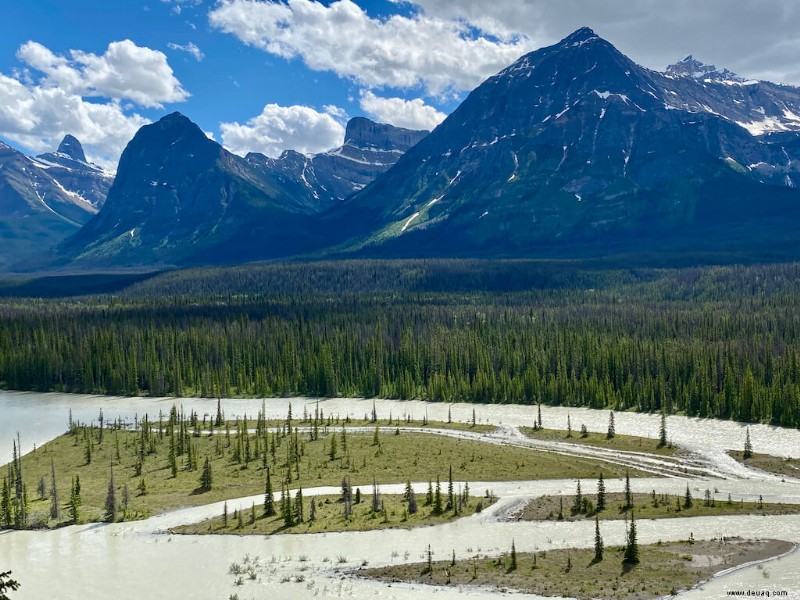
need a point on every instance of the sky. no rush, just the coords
(270, 75)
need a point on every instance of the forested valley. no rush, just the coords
(706, 341)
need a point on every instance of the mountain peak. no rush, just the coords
(72, 148)
(695, 69)
(580, 37)
(363, 133)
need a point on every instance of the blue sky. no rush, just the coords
(267, 75)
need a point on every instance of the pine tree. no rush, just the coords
(628, 494)
(601, 493)
(111, 498)
(5, 505)
(662, 437)
(7, 584)
(437, 498)
(269, 503)
(687, 501)
(631, 554)
(748, 446)
(298, 506)
(206, 478)
(75, 500)
(450, 495)
(376, 440)
(611, 429)
(332, 452)
(598, 540)
(412, 502)
(578, 503)
(55, 508)
(375, 497)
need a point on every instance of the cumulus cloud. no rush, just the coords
(759, 39)
(441, 56)
(411, 114)
(191, 48)
(280, 128)
(49, 97)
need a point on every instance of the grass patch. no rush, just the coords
(627, 443)
(142, 464)
(664, 569)
(329, 516)
(650, 506)
(788, 467)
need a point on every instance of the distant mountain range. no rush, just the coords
(574, 150)
(46, 198)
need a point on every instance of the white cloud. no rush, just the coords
(440, 55)
(411, 114)
(38, 117)
(125, 71)
(191, 48)
(49, 98)
(759, 39)
(280, 128)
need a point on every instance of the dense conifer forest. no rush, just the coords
(708, 341)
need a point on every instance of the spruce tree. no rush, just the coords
(450, 494)
(748, 446)
(628, 494)
(687, 500)
(513, 565)
(412, 502)
(269, 502)
(598, 540)
(578, 503)
(437, 498)
(631, 554)
(601, 493)
(312, 512)
(111, 498)
(206, 477)
(611, 428)
(55, 508)
(662, 437)
(298, 506)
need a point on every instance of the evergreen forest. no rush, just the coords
(701, 341)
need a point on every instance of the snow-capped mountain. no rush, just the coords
(46, 198)
(575, 148)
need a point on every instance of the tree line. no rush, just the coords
(714, 342)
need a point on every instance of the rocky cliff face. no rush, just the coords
(576, 149)
(369, 150)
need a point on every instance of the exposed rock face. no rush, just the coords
(575, 149)
(369, 150)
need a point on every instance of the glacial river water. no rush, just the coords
(139, 560)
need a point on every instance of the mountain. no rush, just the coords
(69, 167)
(180, 198)
(576, 150)
(45, 199)
(369, 150)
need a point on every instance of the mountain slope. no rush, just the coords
(69, 167)
(180, 198)
(36, 210)
(326, 179)
(575, 149)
